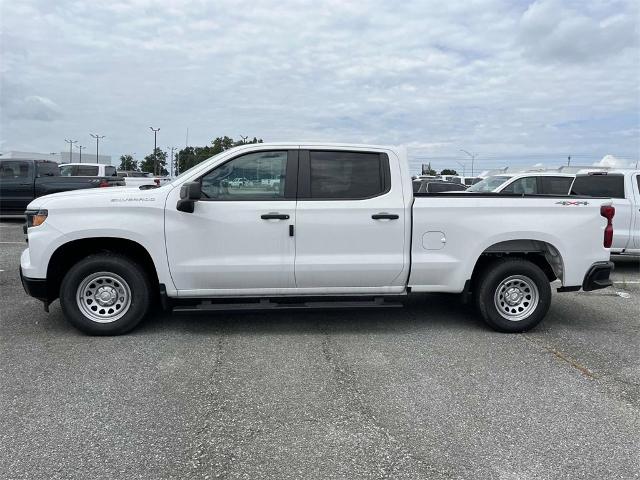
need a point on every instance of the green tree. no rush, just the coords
(128, 163)
(448, 171)
(149, 162)
(190, 156)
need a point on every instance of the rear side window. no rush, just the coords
(47, 169)
(110, 171)
(444, 187)
(599, 186)
(556, 185)
(87, 171)
(347, 175)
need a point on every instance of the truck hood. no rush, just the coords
(113, 195)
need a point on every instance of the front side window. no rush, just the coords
(346, 175)
(67, 170)
(522, 186)
(110, 171)
(489, 184)
(14, 169)
(255, 176)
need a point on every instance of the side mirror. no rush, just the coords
(190, 193)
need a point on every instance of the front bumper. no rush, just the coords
(35, 287)
(598, 276)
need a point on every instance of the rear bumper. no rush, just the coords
(35, 287)
(598, 276)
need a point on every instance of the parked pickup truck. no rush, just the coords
(23, 180)
(343, 228)
(136, 179)
(623, 186)
(543, 183)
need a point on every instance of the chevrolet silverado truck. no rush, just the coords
(623, 186)
(23, 180)
(313, 225)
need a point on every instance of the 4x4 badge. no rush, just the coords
(572, 202)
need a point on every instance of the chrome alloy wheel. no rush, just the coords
(103, 297)
(516, 297)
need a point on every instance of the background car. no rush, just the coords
(436, 186)
(527, 183)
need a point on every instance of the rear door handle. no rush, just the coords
(274, 216)
(385, 216)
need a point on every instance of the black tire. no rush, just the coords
(522, 276)
(135, 280)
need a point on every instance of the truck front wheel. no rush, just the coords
(513, 295)
(105, 294)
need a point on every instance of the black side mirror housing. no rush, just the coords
(190, 193)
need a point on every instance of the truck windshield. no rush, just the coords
(489, 184)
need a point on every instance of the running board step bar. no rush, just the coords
(208, 306)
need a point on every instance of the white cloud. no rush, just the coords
(611, 161)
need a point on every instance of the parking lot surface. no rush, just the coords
(422, 392)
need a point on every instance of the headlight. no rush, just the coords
(36, 217)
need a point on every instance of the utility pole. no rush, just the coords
(473, 158)
(171, 165)
(80, 147)
(568, 160)
(155, 147)
(464, 168)
(97, 137)
(70, 142)
(244, 139)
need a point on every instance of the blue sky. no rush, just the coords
(511, 81)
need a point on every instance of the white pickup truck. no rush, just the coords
(317, 225)
(623, 186)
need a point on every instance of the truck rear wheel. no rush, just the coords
(105, 294)
(513, 295)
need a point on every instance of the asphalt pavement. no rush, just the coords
(426, 391)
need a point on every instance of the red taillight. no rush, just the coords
(608, 211)
(103, 183)
(157, 181)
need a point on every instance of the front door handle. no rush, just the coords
(274, 216)
(385, 216)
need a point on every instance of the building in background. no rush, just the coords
(60, 157)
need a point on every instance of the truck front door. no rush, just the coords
(350, 222)
(239, 239)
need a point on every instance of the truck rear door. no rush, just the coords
(635, 184)
(610, 185)
(16, 185)
(350, 221)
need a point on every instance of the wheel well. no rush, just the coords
(542, 254)
(70, 253)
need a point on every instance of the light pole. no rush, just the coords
(80, 147)
(473, 157)
(171, 164)
(464, 168)
(155, 146)
(70, 142)
(97, 137)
